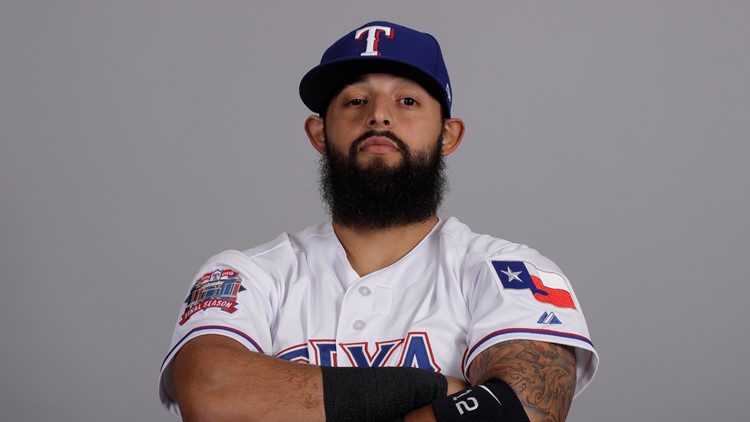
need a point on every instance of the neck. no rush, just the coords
(370, 250)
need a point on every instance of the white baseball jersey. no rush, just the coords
(451, 297)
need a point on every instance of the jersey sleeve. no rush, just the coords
(230, 296)
(523, 295)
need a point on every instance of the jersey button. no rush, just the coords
(358, 324)
(364, 291)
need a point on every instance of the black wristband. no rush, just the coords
(492, 401)
(378, 394)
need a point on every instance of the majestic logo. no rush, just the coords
(373, 38)
(546, 287)
(217, 289)
(548, 318)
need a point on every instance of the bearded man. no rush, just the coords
(388, 311)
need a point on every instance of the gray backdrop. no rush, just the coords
(138, 138)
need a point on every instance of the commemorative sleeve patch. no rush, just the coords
(215, 289)
(545, 287)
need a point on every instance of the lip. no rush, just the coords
(378, 145)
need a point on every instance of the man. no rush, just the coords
(387, 311)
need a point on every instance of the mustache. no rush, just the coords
(384, 133)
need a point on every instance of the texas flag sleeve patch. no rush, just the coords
(546, 287)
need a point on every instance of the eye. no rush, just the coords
(355, 102)
(408, 101)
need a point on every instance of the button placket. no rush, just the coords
(356, 313)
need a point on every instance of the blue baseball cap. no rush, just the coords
(378, 47)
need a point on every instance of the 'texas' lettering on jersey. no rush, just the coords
(413, 351)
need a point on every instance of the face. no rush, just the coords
(382, 143)
(380, 117)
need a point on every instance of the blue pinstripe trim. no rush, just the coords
(530, 331)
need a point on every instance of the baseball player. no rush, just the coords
(388, 311)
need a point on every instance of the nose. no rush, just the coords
(380, 113)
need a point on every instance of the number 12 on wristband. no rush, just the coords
(492, 401)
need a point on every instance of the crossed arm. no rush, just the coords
(218, 379)
(541, 374)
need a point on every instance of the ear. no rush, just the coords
(315, 130)
(453, 133)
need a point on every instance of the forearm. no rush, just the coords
(217, 379)
(541, 374)
(425, 413)
(239, 385)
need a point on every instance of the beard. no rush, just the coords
(378, 195)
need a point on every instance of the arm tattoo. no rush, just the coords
(543, 375)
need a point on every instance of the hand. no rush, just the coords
(425, 413)
(455, 385)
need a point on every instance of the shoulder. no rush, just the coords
(457, 238)
(275, 255)
(298, 241)
(483, 260)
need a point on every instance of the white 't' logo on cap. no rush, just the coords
(373, 38)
